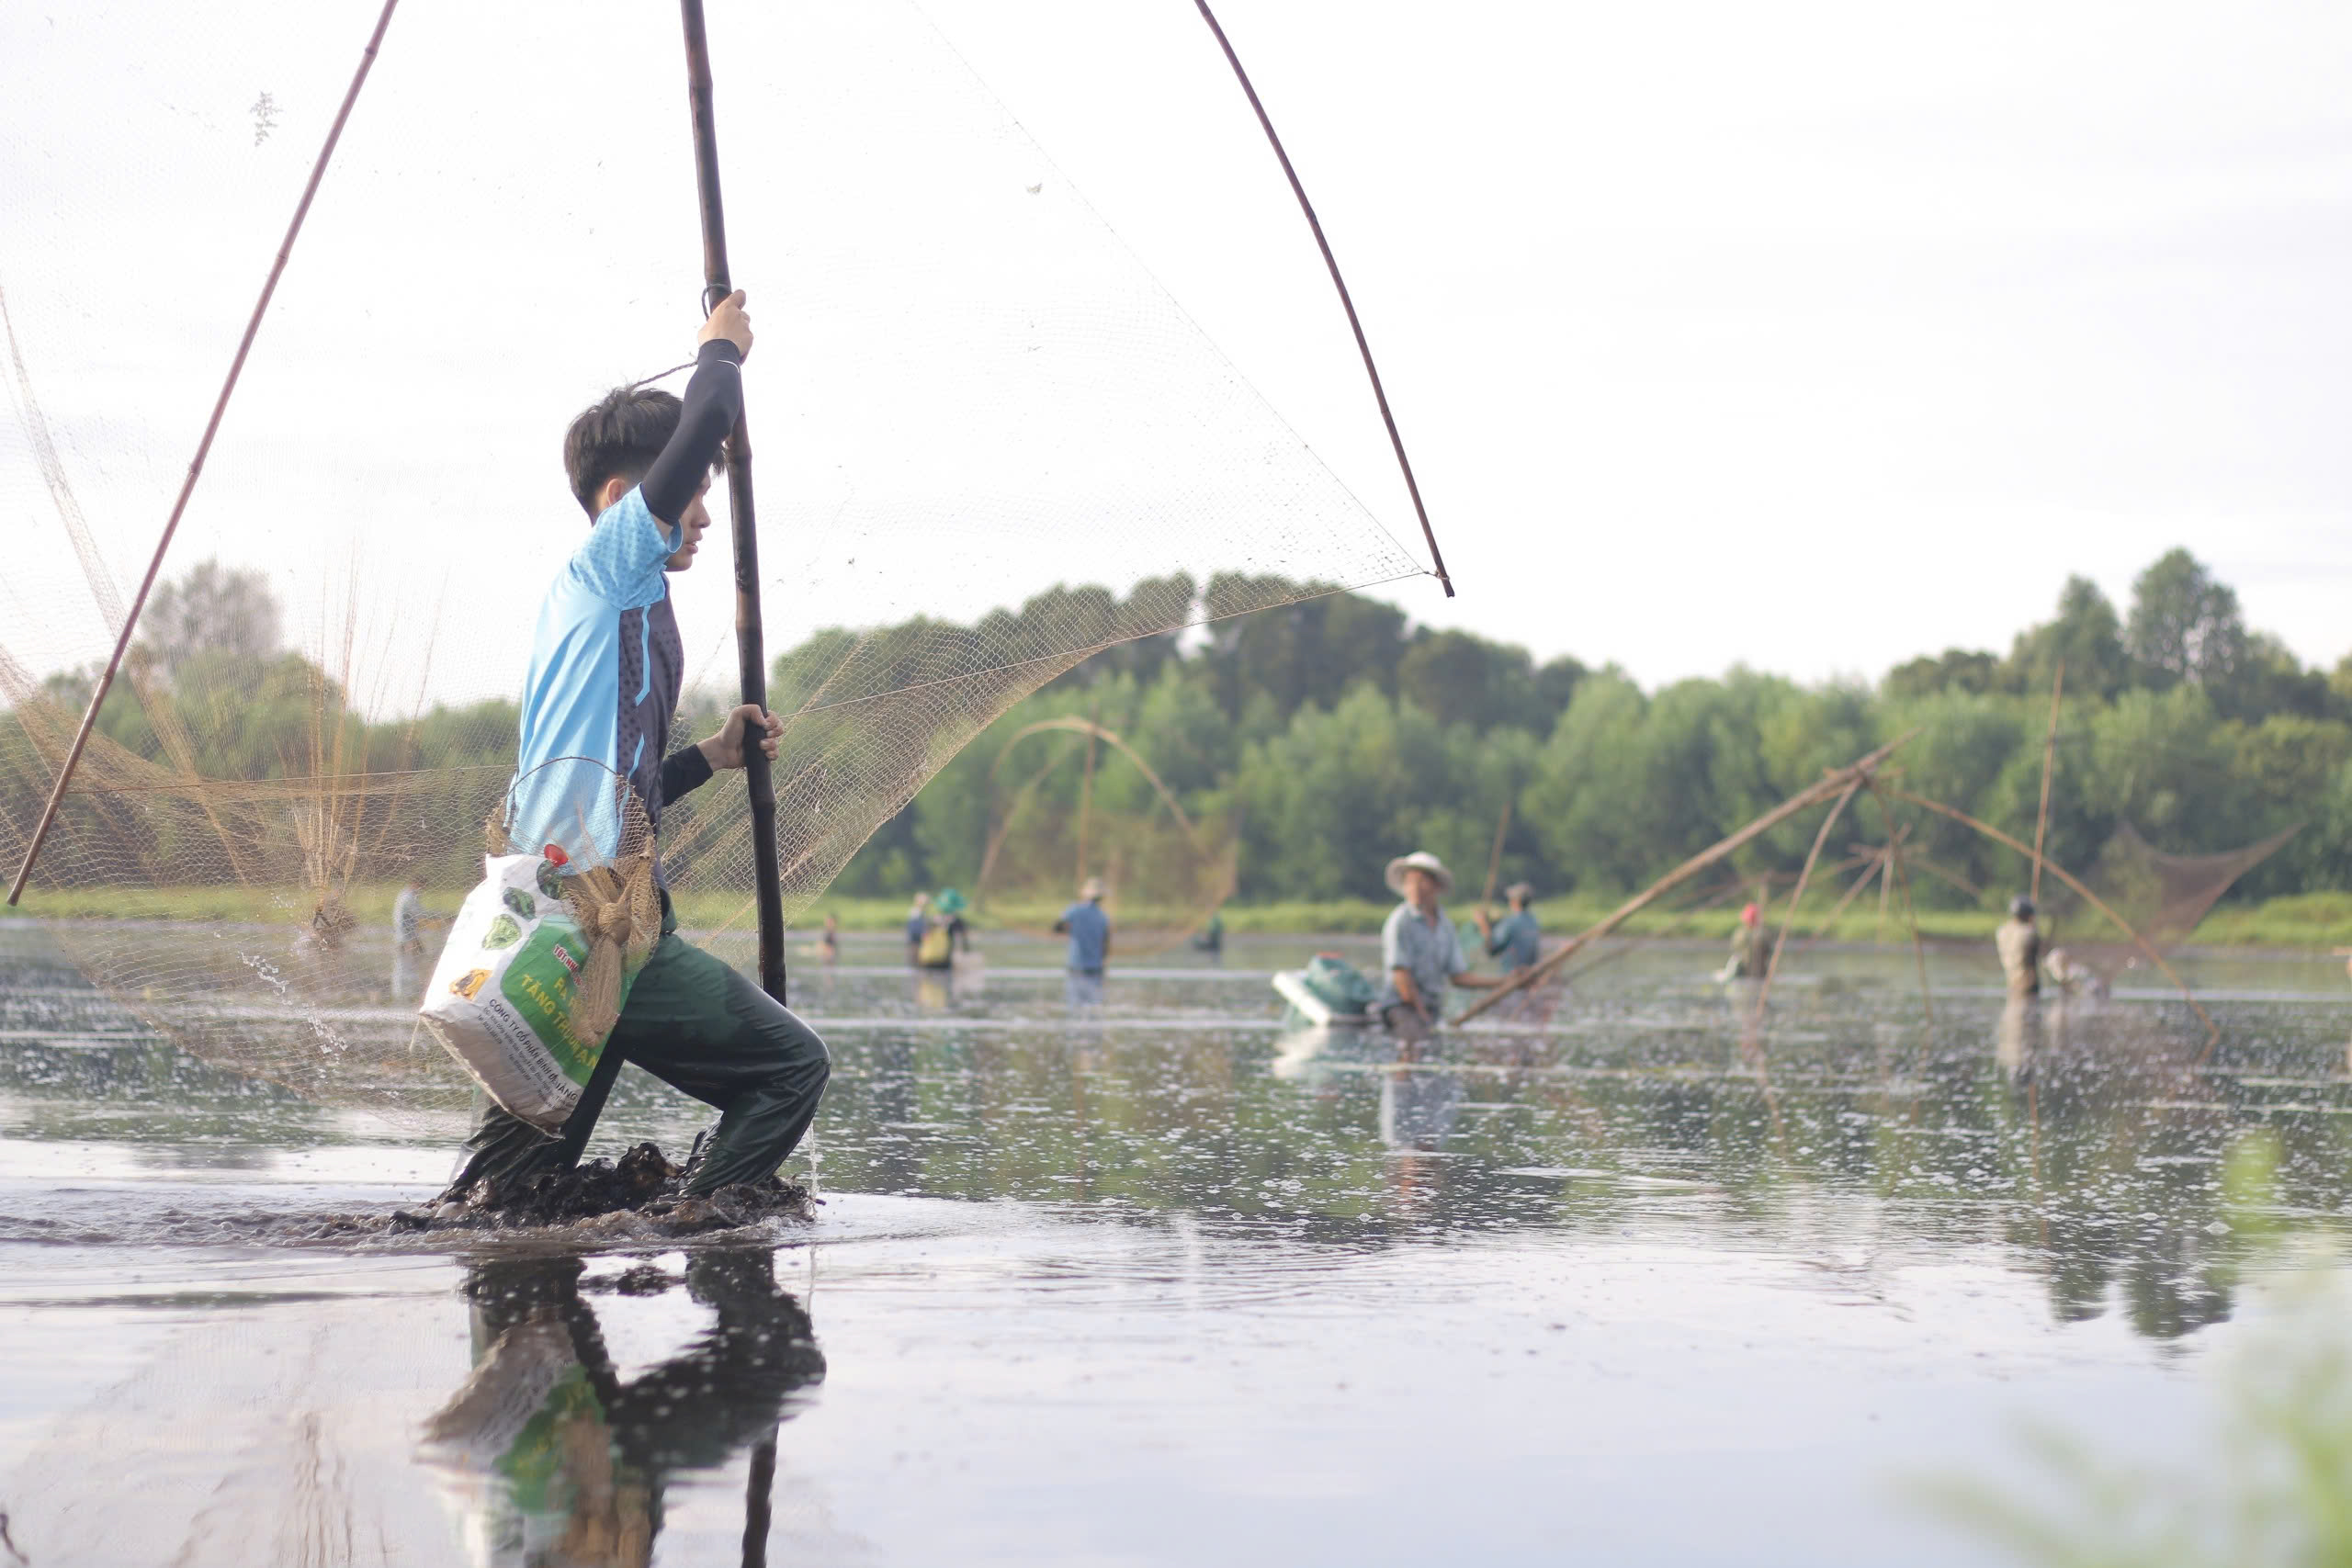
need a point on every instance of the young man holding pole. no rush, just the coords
(607, 670)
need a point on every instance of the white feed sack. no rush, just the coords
(501, 999)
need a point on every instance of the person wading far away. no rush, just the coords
(606, 668)
(1516, 939)
(2019, 942)
(1089, 929)
(918, 926)
(1751, 948)
(1419, 948)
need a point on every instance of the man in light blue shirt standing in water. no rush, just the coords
(1089, 929)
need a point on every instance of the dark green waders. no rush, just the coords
(702, 1029)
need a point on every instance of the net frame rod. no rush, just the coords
(2212, 1029)
(1831, 784)
(203, 450)
(751, 650)
(1347, 302)
(2049, 764)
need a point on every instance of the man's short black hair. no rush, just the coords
(619, 436)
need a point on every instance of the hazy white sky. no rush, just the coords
(1811, 337)
(1818, 334)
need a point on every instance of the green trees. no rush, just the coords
(2086, 635)
(1331, 734)
(2184, 625)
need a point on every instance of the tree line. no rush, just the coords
(1319, 738)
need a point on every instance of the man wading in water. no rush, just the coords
(606, 667)
(1420, 949)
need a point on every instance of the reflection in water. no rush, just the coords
(2077, 1138)
(2270, 1466)
(552, 1459)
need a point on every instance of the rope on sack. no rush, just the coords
(619, 912)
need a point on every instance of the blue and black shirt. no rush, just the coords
(607, 665)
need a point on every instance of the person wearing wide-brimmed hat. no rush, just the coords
(1420, 949)
(1516, 939)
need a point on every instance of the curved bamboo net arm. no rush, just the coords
(2212, 1031)
(1837, 781)
(1088, 726)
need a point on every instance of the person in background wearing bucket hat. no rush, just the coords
(1420, 949)
(947, 935)
(1516, 939)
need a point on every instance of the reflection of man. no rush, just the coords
(1419, 948)
(557, 1461)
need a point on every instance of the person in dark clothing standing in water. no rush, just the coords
(606, 667)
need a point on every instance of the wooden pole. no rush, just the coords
(1910, 909)
(1812, 795)
(203, 449)
(1495, 863)
(1347, 302)
(2212, 1031)
(1086, 789)
(1772, 966)
(1873, 865)
(2049, 758)
(751, 646)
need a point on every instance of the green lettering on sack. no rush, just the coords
(538, 983)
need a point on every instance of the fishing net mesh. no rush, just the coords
(988, 444)
(2163, 895)
(1074, 798)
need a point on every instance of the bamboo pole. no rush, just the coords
(1910, 909)
(1347, 300)
(2212, 1031)
(1875, 867)
(1494, 865)
(751, 650)
(2049, 760)
(1812, 795)
(1772, 966)
(1086, 788)
(203, 449)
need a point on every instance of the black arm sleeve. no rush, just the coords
(683, 773)
(714, 398)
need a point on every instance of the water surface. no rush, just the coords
(1153, 1279)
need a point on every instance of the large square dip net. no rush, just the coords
(989, 443)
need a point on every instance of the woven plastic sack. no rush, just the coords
(505, 993)
(1341, 986)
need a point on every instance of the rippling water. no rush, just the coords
(1156, 1281)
